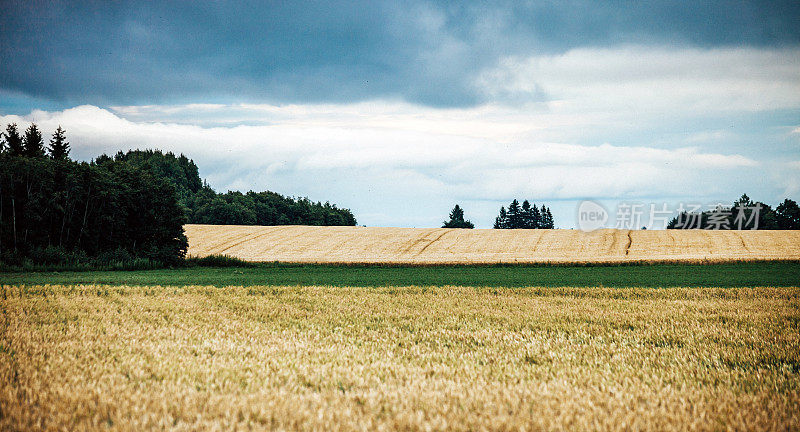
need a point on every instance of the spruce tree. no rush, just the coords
(536, 218)
(542, 217)
(13, 141)
(59, 147)
(514, 215)
(547, 218)
(501, 222)
(527, 215)
(457, 219)
(33, 142)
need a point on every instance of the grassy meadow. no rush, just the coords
(743, 274)
(410, 358)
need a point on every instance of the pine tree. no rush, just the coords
(501, 222)
(536, 218)
(457, 219)
(59, 147)
(33, 142)
(13, 141)
(527, 215)
(514, 215)
(542, 217)
(547, 218)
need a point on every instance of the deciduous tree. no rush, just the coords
(787, 215)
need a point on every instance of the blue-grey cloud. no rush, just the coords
(429, 53)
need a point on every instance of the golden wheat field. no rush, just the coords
(452, 358)
(481, 246)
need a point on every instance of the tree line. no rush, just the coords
(203, 205)
(56, 211)
(126, 208)
(744, 213)
(525, 216)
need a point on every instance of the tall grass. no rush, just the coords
(218, 261)
(52, 258)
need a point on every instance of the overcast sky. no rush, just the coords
(399, 110)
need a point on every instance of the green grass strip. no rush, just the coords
(746, 274)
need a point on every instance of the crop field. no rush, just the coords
(364, 329)
(349, 245)
(384, 358)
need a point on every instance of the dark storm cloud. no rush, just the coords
(168, 52)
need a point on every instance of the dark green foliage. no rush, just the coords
(501, 221)
(33, 142)
(528, 220)
(536, 216)
(787, 215)
(752, 274)
(120, 212)
(204, 206)
(90, 210)
(264, 208)
(744, 213)
(228, 209)
(54, 258)
(218, 261)
(59, 147)
(514, 215)
(125, 211)
(526, 216)
(13, 141)
(457, 219)
(179, 171)
(546, 219)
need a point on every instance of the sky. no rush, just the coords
(400, 110)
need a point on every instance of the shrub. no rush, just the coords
(218, 261)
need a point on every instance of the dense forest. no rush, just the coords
(56, 211)
(122, 211)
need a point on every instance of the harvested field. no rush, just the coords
(394, 358)
(351, 245)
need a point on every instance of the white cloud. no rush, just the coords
(377, 159)
(621, 123)
(786, 176)
(648, 80)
